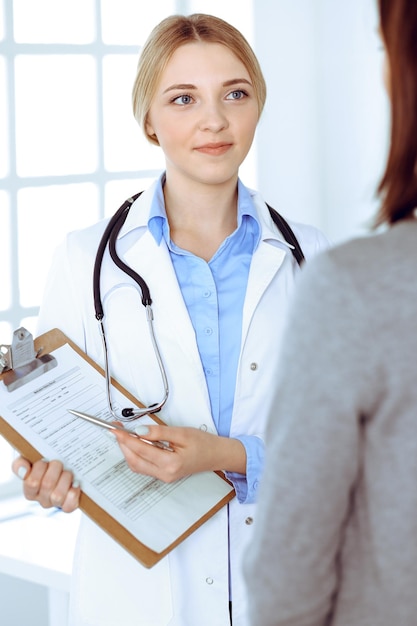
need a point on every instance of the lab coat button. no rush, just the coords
(249, 521)
(253, 366)
(203, 427)
(209, 581)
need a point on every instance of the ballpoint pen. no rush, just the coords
(110, 426)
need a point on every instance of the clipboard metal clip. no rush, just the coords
(19, 361)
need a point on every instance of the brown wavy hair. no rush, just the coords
(398, 186)
(175, 31)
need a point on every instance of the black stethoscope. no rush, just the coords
(109, 238)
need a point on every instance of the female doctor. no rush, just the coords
(220, 275)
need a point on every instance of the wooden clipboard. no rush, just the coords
(46, 343)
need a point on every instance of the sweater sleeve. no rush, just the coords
(312, 454)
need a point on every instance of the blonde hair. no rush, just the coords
(175, 31)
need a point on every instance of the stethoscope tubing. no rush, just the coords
(109, 239)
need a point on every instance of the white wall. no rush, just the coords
(323, 137)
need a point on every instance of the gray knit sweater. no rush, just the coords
(336, 528)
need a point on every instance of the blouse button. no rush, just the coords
(249, 521)
(253, 366)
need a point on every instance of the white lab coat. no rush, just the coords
(190, 587)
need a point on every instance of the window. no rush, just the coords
(71, 151)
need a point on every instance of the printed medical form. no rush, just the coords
(156, 513)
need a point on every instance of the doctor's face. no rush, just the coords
(204, 113)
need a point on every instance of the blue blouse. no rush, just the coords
(214, 293)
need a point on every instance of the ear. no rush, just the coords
(149, 128)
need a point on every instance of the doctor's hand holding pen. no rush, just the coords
(193, 451)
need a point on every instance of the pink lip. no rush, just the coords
(215, 149)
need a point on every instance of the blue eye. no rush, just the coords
(183, 99)
(237, 95)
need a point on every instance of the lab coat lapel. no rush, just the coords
(265, 264)
(169, 309)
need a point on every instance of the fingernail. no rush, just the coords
(75, 483)
(22, 471)
(141, 430)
